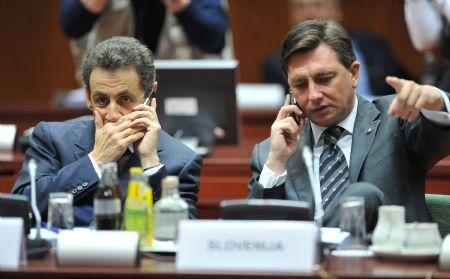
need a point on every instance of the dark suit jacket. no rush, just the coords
(386, 151)
(378, 58)
(61, 150)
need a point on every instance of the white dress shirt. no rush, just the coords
(147, 172)
(424, 22)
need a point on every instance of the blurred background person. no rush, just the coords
(429, 29)
(171, 29)
(372, 51)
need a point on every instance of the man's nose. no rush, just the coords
(314, 92)
(112, 112)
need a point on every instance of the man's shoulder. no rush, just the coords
(383, 101)
(169, 144)
(65, 129)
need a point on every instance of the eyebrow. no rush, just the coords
(326, 73)
(101, 93)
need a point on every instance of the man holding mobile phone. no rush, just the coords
(380, 151)
(118, 73)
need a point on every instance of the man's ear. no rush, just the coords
(88, 99)
(354, 70)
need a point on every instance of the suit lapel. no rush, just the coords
(297, 174)
(366, 126)
(85, 137)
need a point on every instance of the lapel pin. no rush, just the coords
(368, 131)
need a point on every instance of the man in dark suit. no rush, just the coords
(381, 150)
(372, 51)
(118, 73)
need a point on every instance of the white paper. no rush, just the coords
(282, 246)
(12, 242)
(332, 235)
(181, 106)
(259, 96)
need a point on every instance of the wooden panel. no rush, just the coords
(260, 26)
(35, 60)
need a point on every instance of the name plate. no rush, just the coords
(12, 243)
(229, 245)
(98, 248)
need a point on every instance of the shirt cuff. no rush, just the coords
(96, 167)
(268, 179)
(152, 171)
(441, 118)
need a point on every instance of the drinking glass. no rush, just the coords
(353, 221)
(60, 212)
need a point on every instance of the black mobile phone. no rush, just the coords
(292, 101)
(148, 99)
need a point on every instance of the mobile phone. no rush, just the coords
(148, 99)
(292, 101)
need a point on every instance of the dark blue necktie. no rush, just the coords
(333, 167)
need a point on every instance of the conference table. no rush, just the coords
(333, 267)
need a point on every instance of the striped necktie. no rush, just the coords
(333, 167)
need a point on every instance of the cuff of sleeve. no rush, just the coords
(153, 170)
(268, 179)
(439, 117)
(96, 167)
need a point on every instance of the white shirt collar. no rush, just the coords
(348, 123)
(131, 148)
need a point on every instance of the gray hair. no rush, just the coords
(118, 52)
(308, 34)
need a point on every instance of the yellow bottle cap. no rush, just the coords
(136, 170)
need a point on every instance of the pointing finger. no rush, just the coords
(395, 83)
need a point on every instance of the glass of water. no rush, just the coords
(60, 212)
(353, 221)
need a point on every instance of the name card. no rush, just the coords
(12, 243)
(98, 248)
(281, 246)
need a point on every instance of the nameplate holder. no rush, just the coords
(98, 248)
(232, 245)
(12, 243)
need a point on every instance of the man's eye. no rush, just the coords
(101, 101)
(324, 80)
(125, 100)
(301, 86)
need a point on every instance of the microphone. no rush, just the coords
(308, 158)
(32, 166)
(37, 247)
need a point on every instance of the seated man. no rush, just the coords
(381, 150)
(118, 73)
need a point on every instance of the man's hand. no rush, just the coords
(412, 97)
(176, 6)
(112, 139)
(94, 6)
(284, 137)
(145, 117)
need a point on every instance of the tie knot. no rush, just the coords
(332, 135)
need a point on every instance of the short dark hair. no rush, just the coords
(119, 52)
(307, 35)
